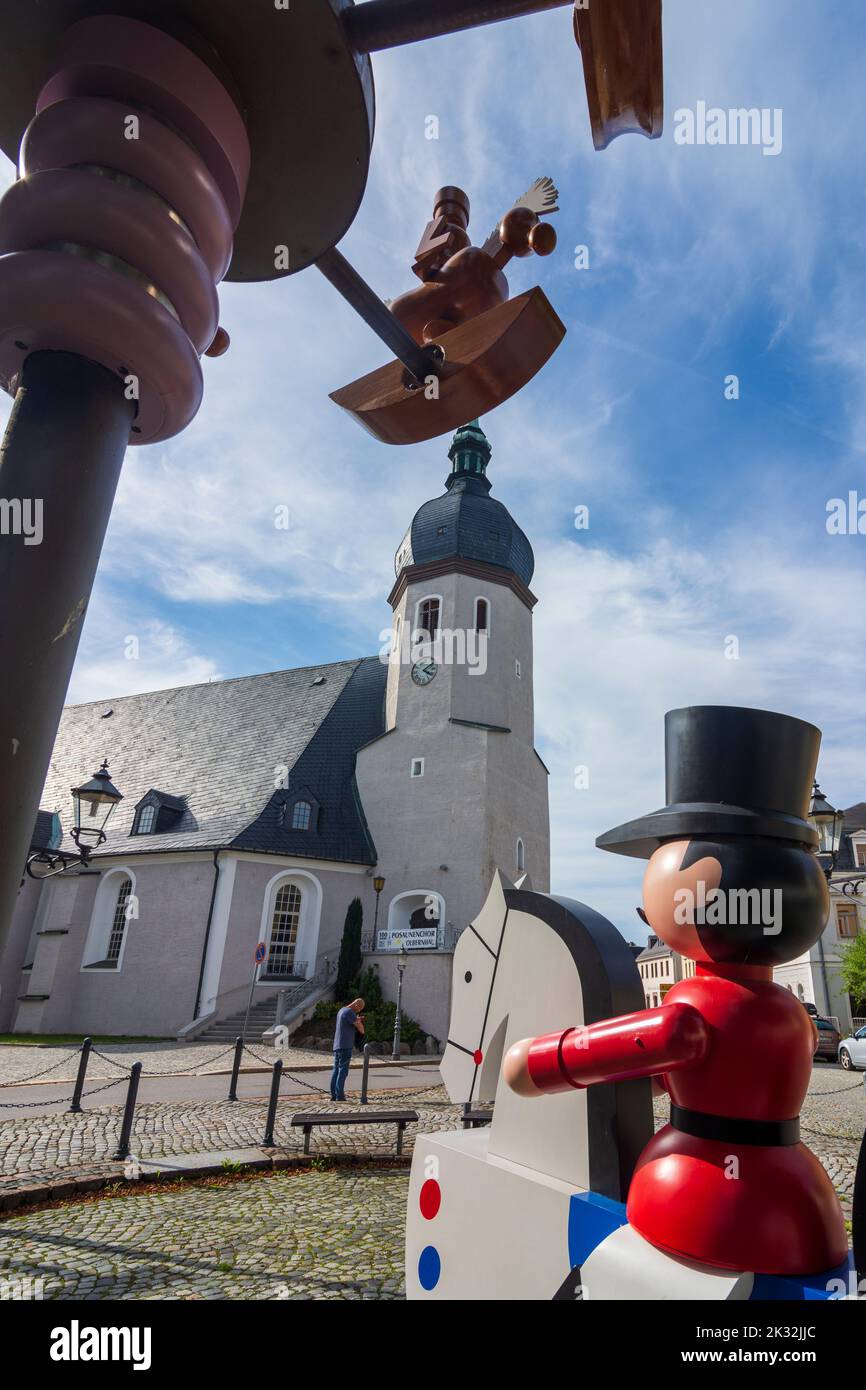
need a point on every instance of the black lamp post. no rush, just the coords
(828, 822)
(402, 962)
(94, 803)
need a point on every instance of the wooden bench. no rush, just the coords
(474, 1119)
(400, 1118)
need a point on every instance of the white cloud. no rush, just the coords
(124, 654)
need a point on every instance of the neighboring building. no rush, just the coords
(814, 977)
(660, 968)
(256, 809)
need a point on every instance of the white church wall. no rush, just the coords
(326, 891)
(15, 952)
(426, 986)
(153, 990)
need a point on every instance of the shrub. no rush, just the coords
(349, 963)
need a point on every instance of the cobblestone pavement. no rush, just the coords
(170, 1058)
(42, 1147)
(293, 1235)
(38, 1149)
(296, 1234)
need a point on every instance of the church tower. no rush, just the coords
(454, 789)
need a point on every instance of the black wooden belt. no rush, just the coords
(729, 1131)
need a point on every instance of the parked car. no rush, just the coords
(829, 1038)
(852, 1051)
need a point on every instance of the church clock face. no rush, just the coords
(423, 672)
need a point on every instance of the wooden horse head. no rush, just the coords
(529, 956)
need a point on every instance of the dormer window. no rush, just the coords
(157, 812)
(145, 820)
(299, 811)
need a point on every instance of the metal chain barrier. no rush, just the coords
(22, 1080)
(816, 1095)
(122, 1067)
(61, 1100)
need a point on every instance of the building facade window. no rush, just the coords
(301, 815)
(145, 821)
(114, 907)
(118, 922)
(521, 857)
(284, 929)
(846, 919)
(482, 616)
(860, 856)
(518, 670)
(427, 618)
(416, 767)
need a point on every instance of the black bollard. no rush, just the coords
(268, 1141)
(128, 1112)
(236, 1066)
(75, 1107)
(366, 1074)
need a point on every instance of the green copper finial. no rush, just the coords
(470, 450)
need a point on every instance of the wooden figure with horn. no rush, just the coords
(485, 346)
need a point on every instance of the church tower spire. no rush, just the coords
(470, 453)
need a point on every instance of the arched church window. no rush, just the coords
(428, 618)
(284, 930)
(521, 857)
(114, 906)
(482, 616)
(301, 815)
(118, 922)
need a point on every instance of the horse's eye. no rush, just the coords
(468, 976)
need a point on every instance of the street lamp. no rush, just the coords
(402, 962)
(378, 885)
(94, 804)
(827, 822)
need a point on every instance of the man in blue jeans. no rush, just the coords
(348, 1024)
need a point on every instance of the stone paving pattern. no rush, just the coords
(299, 1234)
(293, 1235)
(18, 1064)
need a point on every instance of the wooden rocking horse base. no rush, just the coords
(487, 359)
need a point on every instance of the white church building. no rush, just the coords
(255, 809)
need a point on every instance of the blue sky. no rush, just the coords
(707, 516)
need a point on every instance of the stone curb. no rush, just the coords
(202, 1165)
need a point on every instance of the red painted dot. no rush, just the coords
(430, 1199)
(478, 1057)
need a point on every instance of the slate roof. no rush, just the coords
(219, 748)
(655, 952)
(466, 522)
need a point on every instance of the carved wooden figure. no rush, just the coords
(489, 347)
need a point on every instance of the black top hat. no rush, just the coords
(728, 771)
